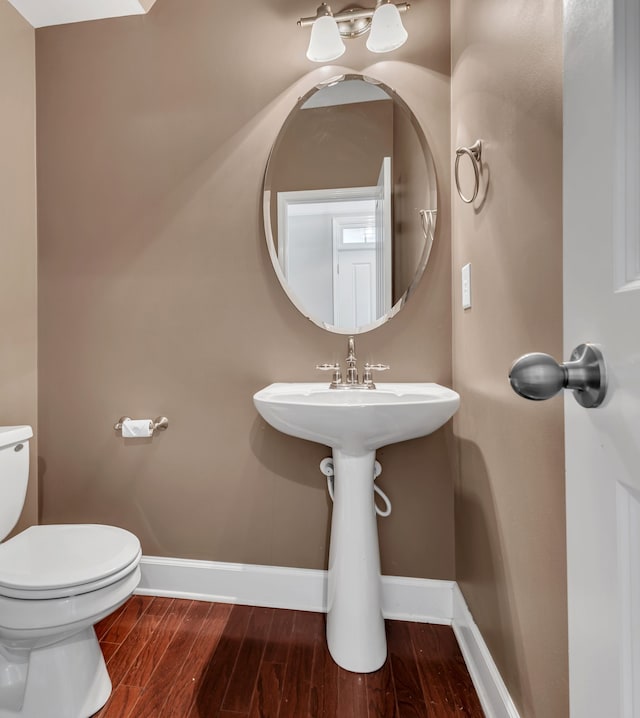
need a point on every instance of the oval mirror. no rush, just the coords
(350, 204)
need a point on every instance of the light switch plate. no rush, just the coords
(466, 286)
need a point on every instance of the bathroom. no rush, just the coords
(137, 281)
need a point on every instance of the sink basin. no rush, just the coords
(354, 423)
(356, 420)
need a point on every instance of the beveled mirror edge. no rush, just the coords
(430, 201)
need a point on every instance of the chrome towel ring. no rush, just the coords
(475, 155)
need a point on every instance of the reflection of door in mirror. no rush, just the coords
(334, 247)
(354, 279)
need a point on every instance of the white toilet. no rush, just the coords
(56, 582)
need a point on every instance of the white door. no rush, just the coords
(602, 305)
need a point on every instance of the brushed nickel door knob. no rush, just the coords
(539, 376)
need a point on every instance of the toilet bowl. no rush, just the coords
(56, 582)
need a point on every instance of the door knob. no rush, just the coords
(539, 376)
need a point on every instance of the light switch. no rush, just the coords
(466, 286)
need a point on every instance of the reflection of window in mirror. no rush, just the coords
(365, 234)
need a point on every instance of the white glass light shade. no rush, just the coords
(387, 32)
(325, 43)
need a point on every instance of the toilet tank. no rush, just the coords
(14, 474)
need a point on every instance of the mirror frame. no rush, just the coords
(431, 205)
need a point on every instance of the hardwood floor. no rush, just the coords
(171, 658)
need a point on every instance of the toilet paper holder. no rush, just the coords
(160, 423)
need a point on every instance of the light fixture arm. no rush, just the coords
(352, 22)
(322, 10)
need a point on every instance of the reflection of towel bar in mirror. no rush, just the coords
(474, 153)
(428, 221)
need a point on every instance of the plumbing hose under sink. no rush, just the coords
(326, 467)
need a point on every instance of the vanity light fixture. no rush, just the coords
(328, 29)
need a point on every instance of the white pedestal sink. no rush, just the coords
(354, 423)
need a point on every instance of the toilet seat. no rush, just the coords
(56, 561)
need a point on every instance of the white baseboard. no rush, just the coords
(492, 692)
(298, 589)
(405, 599)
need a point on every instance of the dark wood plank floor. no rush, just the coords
(171, 658)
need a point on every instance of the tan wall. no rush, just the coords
(510, 520)
(158, 296)
(18, 268)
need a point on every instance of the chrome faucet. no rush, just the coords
(352, 381)
(352, 369)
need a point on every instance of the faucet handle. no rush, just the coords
(335, 368)
(367, 376)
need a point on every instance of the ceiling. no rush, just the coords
(40, 13)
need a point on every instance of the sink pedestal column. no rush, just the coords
(355, 626)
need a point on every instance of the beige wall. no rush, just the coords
(510, 511)
(18, 269)
(158, 297)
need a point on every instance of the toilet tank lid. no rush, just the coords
(13, 434)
